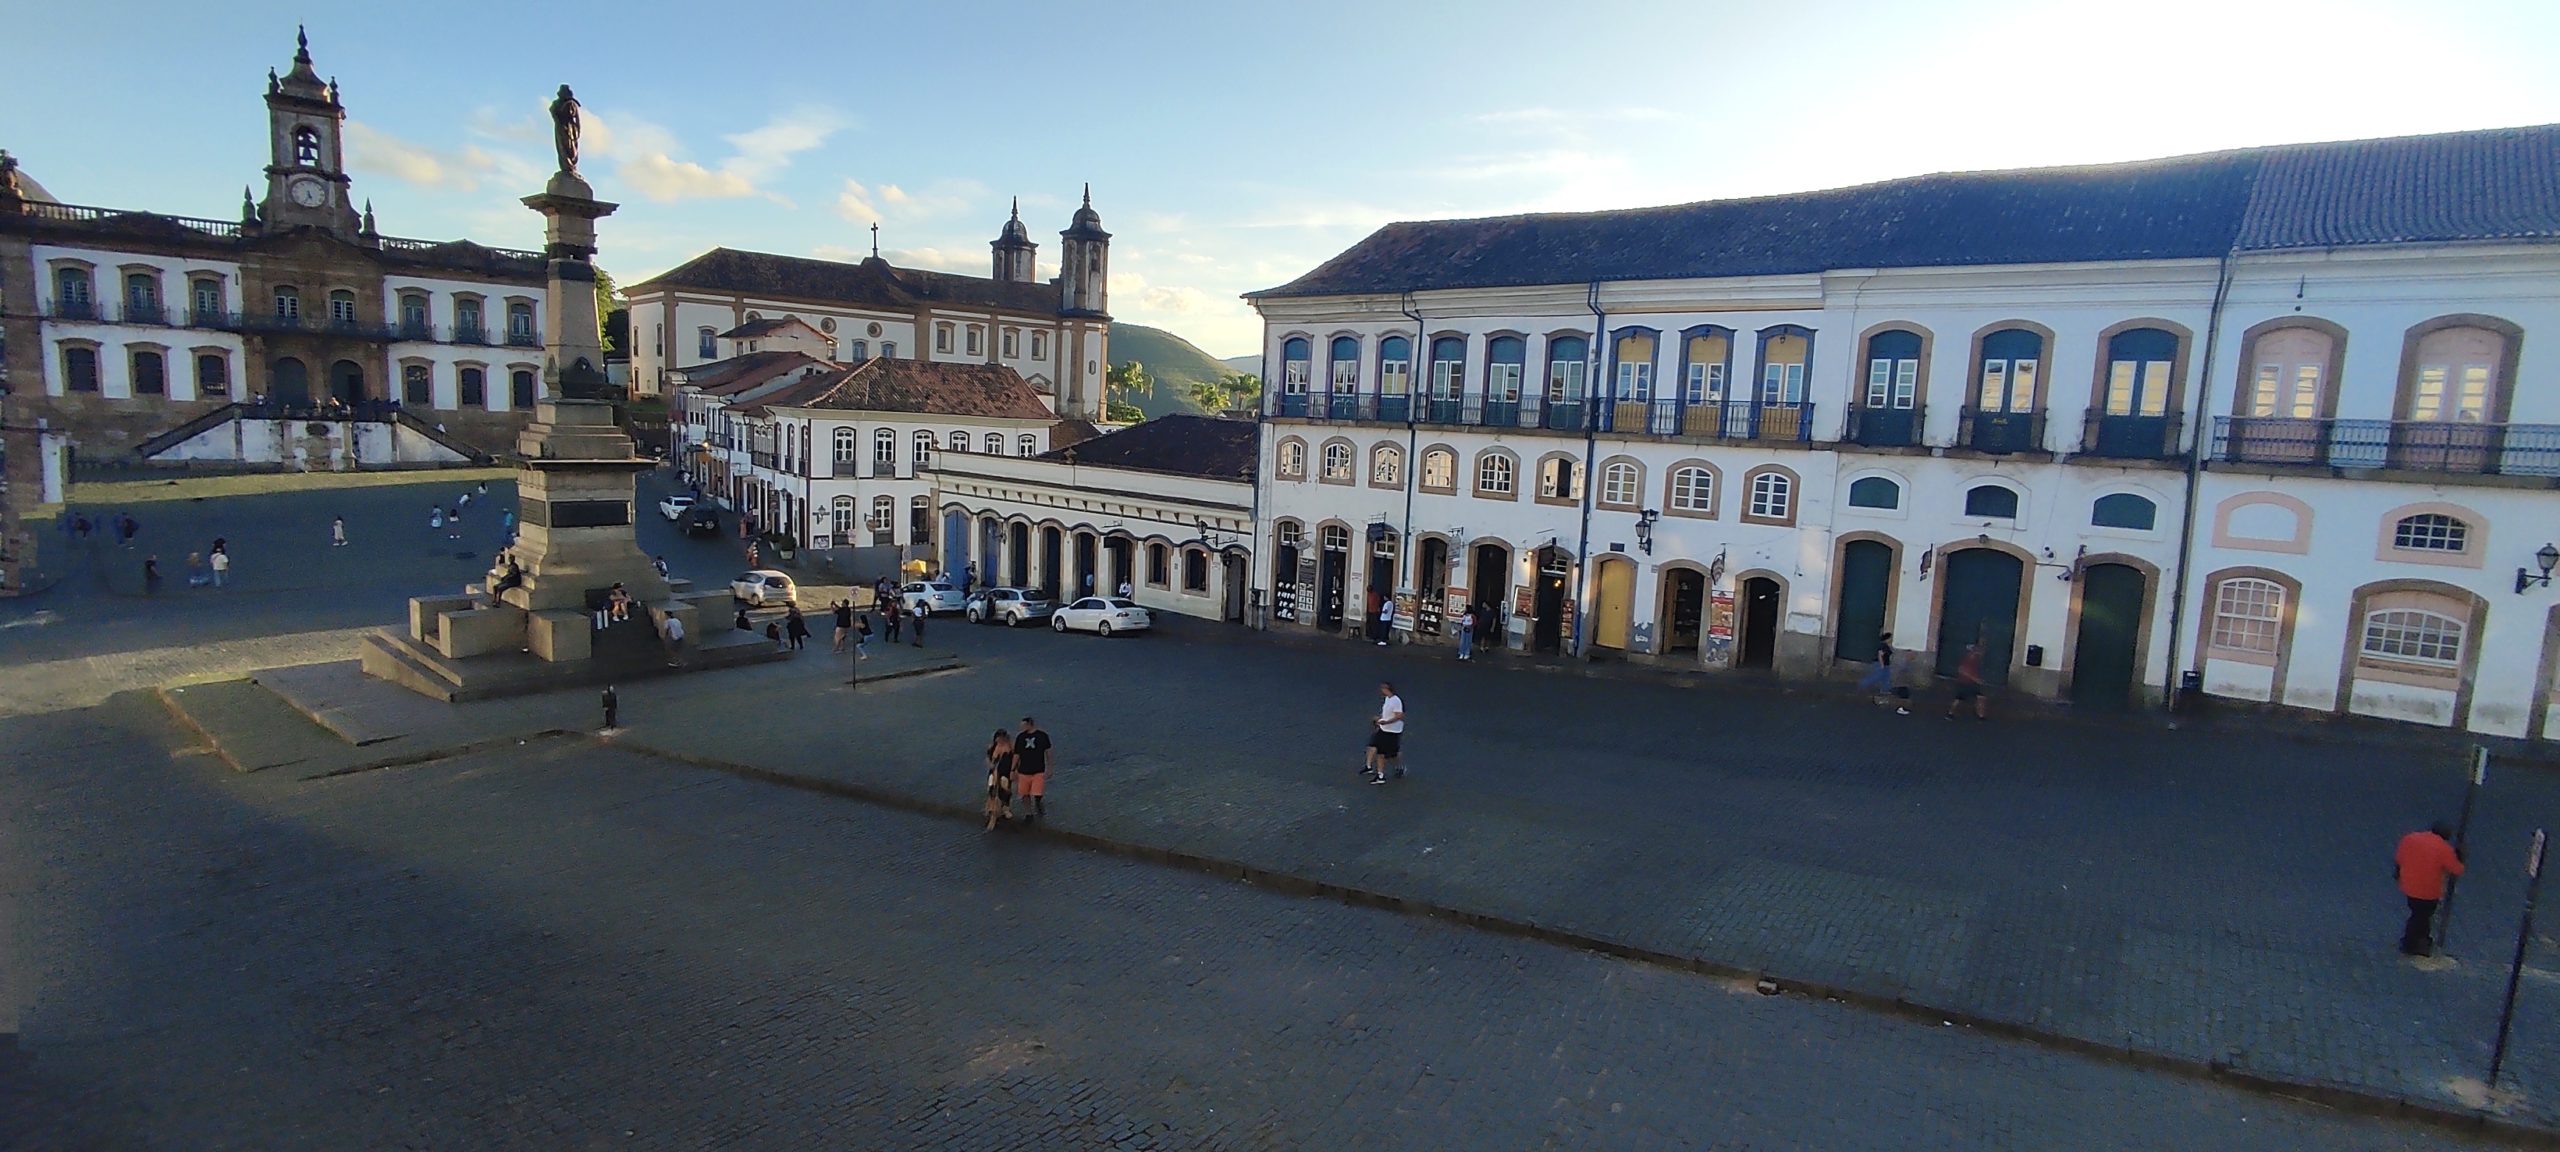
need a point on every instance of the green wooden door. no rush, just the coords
(1979, 590)
(1865, 566)
(2102, 656)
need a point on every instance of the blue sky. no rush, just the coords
(1230, 147)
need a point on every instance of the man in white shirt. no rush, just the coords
(1386, 743)
(1386, 619)
(674, 632)
(221, 567)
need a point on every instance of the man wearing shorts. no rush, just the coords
(1386, 743)
(1969, 685)
(1031, 769)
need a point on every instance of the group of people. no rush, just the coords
(444, 517)
(1017, 771)
(1971, 687)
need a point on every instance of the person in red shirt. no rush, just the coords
(2422, 863)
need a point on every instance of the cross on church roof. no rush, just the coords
(875, 239)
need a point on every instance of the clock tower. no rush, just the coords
(306, 172)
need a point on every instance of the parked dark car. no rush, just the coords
(700, 520)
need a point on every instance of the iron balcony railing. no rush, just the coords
(2000, 433)
(1737, 418)
(2412, 445)
(1883, 427)
(68, 308)
(523, 338)
(2130, 437)
(416, 330)
(470, 334)
(1668, 417)
(212, 318)
(145, 312)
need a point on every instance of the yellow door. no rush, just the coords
(1614, 603)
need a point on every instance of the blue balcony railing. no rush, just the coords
(1883, 427)
(2000, 433)
(2410, 445)
(2130, 437)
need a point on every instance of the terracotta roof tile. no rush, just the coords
(873, 282)
(918, 386)
(737, 373)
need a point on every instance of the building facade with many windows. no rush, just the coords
(121, 325)
(2272, 417)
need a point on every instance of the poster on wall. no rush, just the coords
(1407, 611)
(1284, 602)
(1720, 617)
(1524, 603)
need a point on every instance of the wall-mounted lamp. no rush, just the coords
(2548, 558)
(1926, 560)
(1715, 571)
(1644, 529)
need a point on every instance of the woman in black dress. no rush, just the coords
(999, 778)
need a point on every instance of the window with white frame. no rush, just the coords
(993, 444)
(1012, 343)
(977, 339)
(1506, 365)
(845, 442)
(1494, 474)
(1773, 496)
(1558, 479)
(2413, 635)
(1693, 490)
(841, 512)
(1635, 368)
(1337, 462)
(1293, 459)
(1893, 369)
(942, 337)
(2248, 615)
(1386, 466)
(923, 452)
(959, 441)
(1619, 483)
(288, 302)
(884, 513)
(1039, 345)
(2431, 532)
(1026, 445)
(206, 297)
(884, 449)
(1440, 469)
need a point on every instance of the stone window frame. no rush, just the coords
(2475, 536)
(1861, 379)
(1901, 493)
(1391, 457)
(53, 270)
(2244, 387)
(2288, 592)
(2465, 609)
(279, 296)
(2299, 544)
(507, 316)
(1159, 570)
(195, 369)
(1281, 465)
(1750, 495)
(462, 401)
(427, 368)
(132, 379)
(2102, 370)
(1569, 483)
(1039, 344)
(945, 337)
(1476, 474)
(97, 366)
(1422, 474)
(533, 374)
(427, 308)
(1635, 489)
(158, 276)
(1715, 488)
(1010, 343)
(1349, 472)
(1193, 554)
(1973, 373)
(354, 302)
(2404, 394)
(975, 341)
(197, 277)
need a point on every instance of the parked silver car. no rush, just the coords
(1008, 606)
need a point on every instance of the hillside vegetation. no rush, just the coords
(1173, 366)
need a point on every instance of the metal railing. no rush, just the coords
(2412, 445)
(65, 308)
(523, 338)
(1669, 417)
(2000, 433)
(1883, 427)
(2130, 437)
(470, 334)
(82, 214)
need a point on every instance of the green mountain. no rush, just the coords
(1172, 362)
(1249, 365)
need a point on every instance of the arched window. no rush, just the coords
(1693, 490)
(2457, 375)
(992, 444)
(1195, 570)
(2248, 616)
(1159, 565)
(1893, 371)
(150, 373)
(213, 374)
(2124, 510)
(288, 302)
(79, 368)
(858, 351)
(846, 444)
(205, 299)
(1395, 368)
(1494, 475)
(1505, 358)
(922, 453)
(959, 441)
(1448, 377)
(942, 337)
(141, 295)
(841, 513)
(2289, 374)
(884, 450)
(1784, 356)
(342, 307)
(2006, 379)
(1439, 470)
(1345, 364)
(1635, 367)
(413, 316)
(1026, 445)
(1559, 479)
(920, 519)
(306, 146)
(2431, 532)
(1337, 462)
(1567, 358)
(1874, 492)
(2414, 636)
(888, 349)
(520, 324)
(417, 387)
(520, 392)
(1293, 459)
(1773, 497)
(884, 514)
(1336, 538)
(1294, 366)
(1386, 466)
(1991, 501)
(71, 292)
(473, 386)
(709, 343)
(2139, 370)
(1620, 482)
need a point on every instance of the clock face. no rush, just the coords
(308, 192)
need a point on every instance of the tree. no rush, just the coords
(1122, 386)
(1229, 390)
(1119, 411)
(610, 313)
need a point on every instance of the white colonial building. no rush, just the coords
(123, 327)
(1054, 334)
(1165, 507)
(2270, 416)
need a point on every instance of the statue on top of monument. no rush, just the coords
(9, 175)
(564, 130)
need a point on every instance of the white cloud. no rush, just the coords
(939, 260)
(763, 152)
(648, 159)
(460, 169)
(1176, 299)
(859, 203)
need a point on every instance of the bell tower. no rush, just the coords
(306, 167)
(1084, 263)
(1017, 258)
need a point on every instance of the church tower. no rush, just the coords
(1017, 258)
(306, 170)
(1084, 264)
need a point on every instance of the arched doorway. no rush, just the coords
(1546, 632)
(288, 382)
(1431, 585)
(955, 543)
(990, 549)
(1978, 590)
(1017, 566)
(1333, 564)
(1284, 570)
(1762, 602)
(1123, 566)
(1490, 575)
(1381, 576)
(1232, 568)
(1613, 598)
(1088, 583)
(1866, 575)
(346, 381)
(1052, 543)
(2104, 652)
(1682, 617)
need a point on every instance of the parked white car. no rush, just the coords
(763, 588)
(674, 507)
(927, 597)
(1102, 616)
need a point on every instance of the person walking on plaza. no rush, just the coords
(197, 576)
(862, 636)
(612, 709)
(999, 778)
(844, 623)
(674, 633)
(150, 575)
(1467, 633)
(797, 626)
(2421, 864)
(220, 561)
(1969, 685)
(453, 523)
(916, 625)
(337, 531)
(889, 613)
(435, 518)
(659, 564)
(1878, 681)
(1031, 768)
(1386, 738)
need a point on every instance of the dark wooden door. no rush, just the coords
(2102, 656)
(1866, 567)
(1978, 591)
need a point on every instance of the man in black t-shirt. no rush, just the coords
(844, 623)
(1031, 768)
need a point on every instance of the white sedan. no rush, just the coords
(762, 588)
(674, 507)
(926, 597)
(1102, 616)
